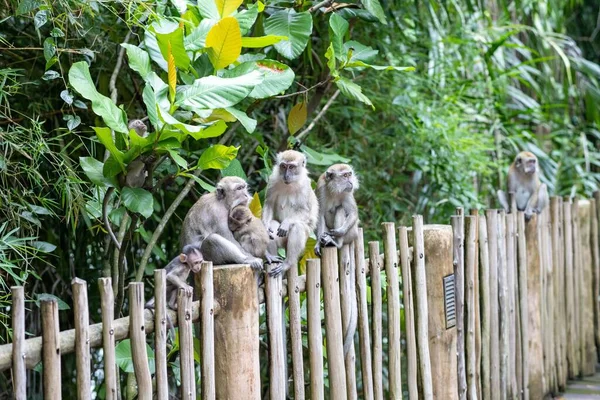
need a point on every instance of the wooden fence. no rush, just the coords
(493, 307)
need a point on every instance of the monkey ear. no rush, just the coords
(220, 193)
(183, 258)
(328, 175)
(303, 160)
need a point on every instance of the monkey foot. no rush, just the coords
(278, 269)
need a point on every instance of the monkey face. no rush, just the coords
(238, 217)
(526, 162)
(291, 165)
(340, 178)
(192, 257)
(234, 191)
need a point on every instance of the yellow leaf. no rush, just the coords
(172, 74)
(227, 7)
(255, 206)
(297, 118)
(261, 6)
(308, 253)
(220, 114)
(224, 42)
(262, 41)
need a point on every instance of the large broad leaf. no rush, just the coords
(139, 60)
(277, 77)
(315, 158)
(246, 18)
(338, 27)
(234, 169)
(215, 130)
(151, 45)
(197, 39)
(296, 26)
(374, 7)
(214, 92)
(93, 170)
(138, 200)
(255, 206)
(227, 7)
(124, 359)
(296, 118)
(208, 9)
(248, 123)
(172, 44)
(224, 42)
(352, 90)
(261, 41)
(217, 157)
(105, 137)
(80, 79)
(360, 52)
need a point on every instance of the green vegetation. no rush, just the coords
(429, 101)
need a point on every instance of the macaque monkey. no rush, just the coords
(523, 180)
(178, 270)
(291, 208)
(249, 231)
(338, 225)
(207, 223)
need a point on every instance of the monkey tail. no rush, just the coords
(351, 328)
(105, 217)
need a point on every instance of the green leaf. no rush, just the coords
(374, 7)
(124, 359)
(93, 170)
(203, 184)
(248, 123)
(175, 39)
(296, 26)
(315, 158)
(151, 45)
(139, 60)
(208, 9)
(50, 49)
(246, 18)
(217, 157)
(43, 247)
(224, 42)
(296, 118)
(214, 92)
(338, 27)
(277, 77)
(47, 296)
(352, 91)
(379, 67)
(261, 41)
(178, 159)
(197, 39)
(138, 200)
(215, 130)
(234, 169)
(349, 13)
(80, 79)
(331, 64)
(105, 137)
(360, 52)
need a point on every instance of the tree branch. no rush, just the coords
(317, 6)
(319, 116)
(322, 83)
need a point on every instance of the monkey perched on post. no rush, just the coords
(249, 231)
(523, 180)
(207, 223)
(291, 208)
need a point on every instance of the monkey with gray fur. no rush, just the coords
(338, 225)
(249, 231)
(523, 180)
(207, 223)
(291, 208)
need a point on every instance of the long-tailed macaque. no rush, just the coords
(249, 231)
(523, 180)
(338, 225)
(291, 208)
(207, 223)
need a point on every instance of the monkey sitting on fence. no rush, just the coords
(249, 231)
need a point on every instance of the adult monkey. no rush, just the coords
(206, 223)
(291, 208)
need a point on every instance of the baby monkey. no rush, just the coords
(249, 231)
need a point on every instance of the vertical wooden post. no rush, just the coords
(315, 335)
(409, 314)
(596, 249)
(576, 285)
(570, 289)
(160, 333)
(470, 313)
(492, 227)
(51, 350)
(562, 296)
(377, 309)
(393, 297)
(484, 284)
(108, 337)
(476, 289)
(333, 324)
(557, 293)
(186, 344)
(363, 317)
(18, 326)
(504, 314)
(523, 299)
(82, 338)
(458, 261)
(277, 384)
(295, 332)
(237, 360)
(137, 333)
(204, 285)
(348, 299)
(548, 271)
(511, 261)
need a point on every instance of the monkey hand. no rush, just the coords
(272, 258)
(318, 248)
(278, 269)
(188, 290)
(283, 229)
(255, 263)
(337, 232)
(327, 240)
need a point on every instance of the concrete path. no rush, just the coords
(584, 389)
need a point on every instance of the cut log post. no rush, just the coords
(557, 292)
(108, 337)
(82, 339)
(315, 335)
(458, 262)
(470, 302)
(492, 227)
(393, 303)
(523, 299)
(348, 305)
(569, 289)
(503, 311)
(237, 359)
(363, 317)
(186, 344)
(295, 332)
(511, 261)
(51, 350)
(475, 212)
(204, 285)
(277, 361)
(160, 333)
(576, 285)
(484, 284)
(596, 255)
(377, 309)
(18, 326)
(333, 324)
(137, 333)
(409, 314)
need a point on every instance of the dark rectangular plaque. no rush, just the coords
(450, 301)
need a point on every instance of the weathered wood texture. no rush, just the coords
(458, 262)
(137, 333)
(18, 326)
(108, 337)
(160, 333)
(204, 285)
(51, 350)
(523, 301)
(492, 227)
(82, 340)
(186, 344)
(409, 314)
(470, 303)
(295, 332)
(348, 306)
(363, 316)
(484, 284)
(375, 266)
(315, 335)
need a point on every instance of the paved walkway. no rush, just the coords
(584, 389)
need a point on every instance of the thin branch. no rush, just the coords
(322, 83)
(161, 226)
(58, 49)
(124, 244)
(324, 3)
(319, 115)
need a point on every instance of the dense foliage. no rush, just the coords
(224, 85)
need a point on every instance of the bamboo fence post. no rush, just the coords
(511, 287)
(458, 261)
(576, 284)
(492, 227)
(523, 298)
(277, 361)
(562, 304)
(550, 301)
(517, 361)
(82, 339)
(377, 308)
(596, 249)
(484, 283)
(409, 314)
(295, 332)
(333, 324)
(160, 333)
(51, 350)
(137, 333)
(315, 335)
(476, 289)
(204, 286)
(470, 313)
(555, 223)
(348, 304)
(108, 337)
(186, 344)
(504, 343)
(422, 308)
(18, 326)
(393, 303)
(570, 322)
(363, 316)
